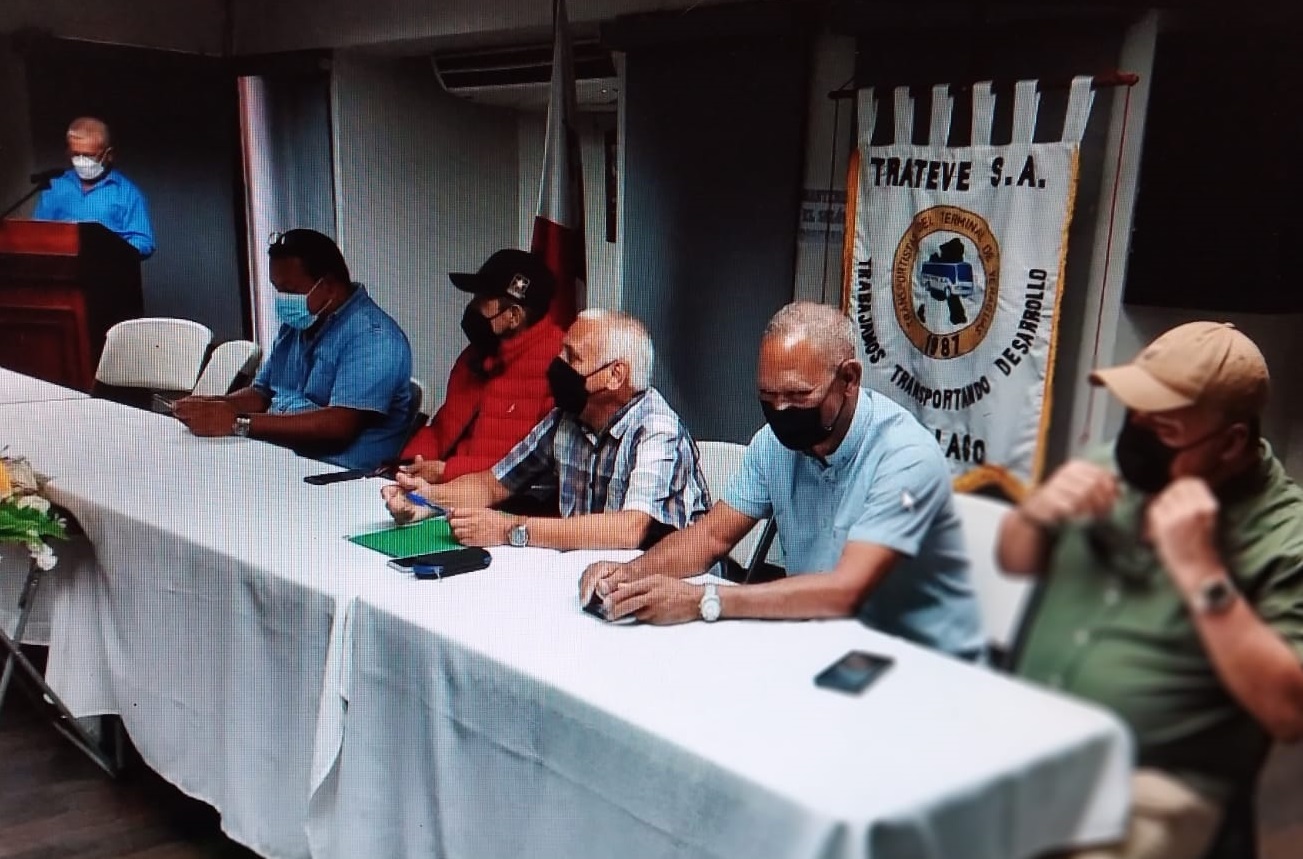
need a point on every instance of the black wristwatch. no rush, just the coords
(1215, 596)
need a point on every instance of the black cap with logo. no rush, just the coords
(516, 275)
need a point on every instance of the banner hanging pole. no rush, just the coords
(1100, 81)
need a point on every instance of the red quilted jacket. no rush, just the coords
(483, 418)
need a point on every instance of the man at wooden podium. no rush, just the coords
(91, 190)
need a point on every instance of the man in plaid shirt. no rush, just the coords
(623, 465)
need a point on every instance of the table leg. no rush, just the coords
(26, 598)
(62, 718)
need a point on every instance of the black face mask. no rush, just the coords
(1145, 460)
(569, 386)
(800, 428)
(478, 329)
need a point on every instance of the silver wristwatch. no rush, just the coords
(243, 423)
(1215, 596)
(518, 536)
(710, 605)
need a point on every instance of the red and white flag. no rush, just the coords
(559, 224)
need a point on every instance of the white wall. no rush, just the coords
(195, 26)
(603, 257)
(1093, 414)
(819, 262)
(425, 184)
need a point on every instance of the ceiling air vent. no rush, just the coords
(519, 76)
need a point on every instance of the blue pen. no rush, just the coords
(422, 501)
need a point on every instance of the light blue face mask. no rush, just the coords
(293, 311)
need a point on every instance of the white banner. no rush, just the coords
(956, 268)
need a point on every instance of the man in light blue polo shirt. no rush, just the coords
(336, 386)
(93, 191)
(861, 496)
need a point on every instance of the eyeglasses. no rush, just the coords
(276, 239)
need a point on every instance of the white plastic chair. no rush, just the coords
(225, 365)
(418, 416)
(418, 402)
(720, 460)
(1001, 598)
(155, 353)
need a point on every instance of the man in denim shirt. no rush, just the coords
(336, 385)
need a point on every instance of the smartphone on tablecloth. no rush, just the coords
(441, 565)
(854, 672)
(336, 476)
(385, 469)
(597, 609)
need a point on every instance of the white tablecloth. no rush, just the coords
(488, 717)
(17, 388)
(211, 615)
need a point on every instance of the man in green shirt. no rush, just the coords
(1173, 589)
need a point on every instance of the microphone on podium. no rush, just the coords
(40, 181)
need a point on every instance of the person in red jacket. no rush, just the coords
(497, 390)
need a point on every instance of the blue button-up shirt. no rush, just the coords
(645, 461)
(887, 484)
(113, 201)
(357, 358)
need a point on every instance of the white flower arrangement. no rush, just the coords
(25, 513)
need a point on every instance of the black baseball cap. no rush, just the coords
(516, 275)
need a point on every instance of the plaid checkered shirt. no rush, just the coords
(645, 460)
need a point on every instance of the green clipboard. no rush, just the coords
(404, 541)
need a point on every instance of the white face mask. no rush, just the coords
(88, 169)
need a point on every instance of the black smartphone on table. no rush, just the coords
(597, 609)
(441, 565)
(854, 672)
(385, 469)
(335, 476)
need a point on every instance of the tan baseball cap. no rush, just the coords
(1210, 363)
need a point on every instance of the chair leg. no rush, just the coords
(762, 550)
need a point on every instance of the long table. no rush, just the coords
(214, 605)
(19, 388)
(488, 717)
(258, 660)
(16, 388)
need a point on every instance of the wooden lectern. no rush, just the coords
(62, 286)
